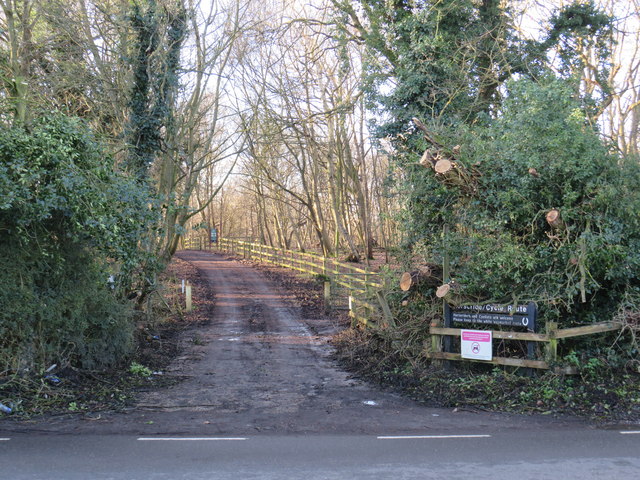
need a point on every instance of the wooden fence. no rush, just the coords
(362, 292)
(346, 285)
(549, 341)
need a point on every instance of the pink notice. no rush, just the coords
(476, 336)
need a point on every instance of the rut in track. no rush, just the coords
(261, 369)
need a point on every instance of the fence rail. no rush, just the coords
(362, 290)
(348, 286)
(549, 339)
(356, 279)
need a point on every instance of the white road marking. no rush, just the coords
(630, 432)
(422, 437)
(4, 439)
(191, 439)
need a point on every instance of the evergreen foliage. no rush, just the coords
(442, 60)
(159, 34)
(522, 142)
(583, 37)
(65, 213)
(531, 159)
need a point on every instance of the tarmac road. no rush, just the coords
(571, 454)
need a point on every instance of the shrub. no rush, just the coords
(539, 154)
(67, 220)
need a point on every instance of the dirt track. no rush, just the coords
(258, 367)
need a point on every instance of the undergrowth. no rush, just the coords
(600, 392)
(66, 389)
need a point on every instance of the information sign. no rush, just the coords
(492, 314)
(476, 344)
(522, 316)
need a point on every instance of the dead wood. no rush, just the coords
(444, 161)
(443, 290)
(553, 218)
(428, 275)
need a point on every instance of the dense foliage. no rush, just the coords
(530, 160)
(155, 79)
(518, 131)
(441, 60)
(65, 217)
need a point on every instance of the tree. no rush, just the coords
(546, 213)
(582, 36)
(309, 158)
(441, 60)
(17, 29)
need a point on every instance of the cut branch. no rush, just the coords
(429, 276)
(444, 162)
(554, 219)
(443, 290)
(443, 166)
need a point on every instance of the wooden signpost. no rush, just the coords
(523, 316)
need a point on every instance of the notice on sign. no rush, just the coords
(476, 344)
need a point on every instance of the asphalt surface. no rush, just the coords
(572, 454)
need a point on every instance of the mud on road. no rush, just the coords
(262, 365)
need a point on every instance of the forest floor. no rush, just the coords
(254, 356)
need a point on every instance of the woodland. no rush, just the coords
(502, 134)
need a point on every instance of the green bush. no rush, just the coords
(538, 154)
(67, 221)
(59, 309)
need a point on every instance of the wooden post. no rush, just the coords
(386, 311)
(552, 348)
(436, 340)
(187, 291)
(352, 314)
(327, 297)
(446, 262)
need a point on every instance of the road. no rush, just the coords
(572, 454)
(261, 373)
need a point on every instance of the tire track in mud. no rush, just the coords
(262, 369)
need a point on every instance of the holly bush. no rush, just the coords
(68, 220)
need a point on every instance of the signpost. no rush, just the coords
(214, 235)
(516, 316)
(492, 314)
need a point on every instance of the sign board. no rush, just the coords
(523, 316)
(476, 344)
(214, 235)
